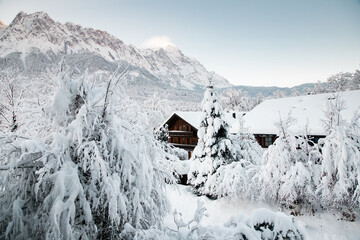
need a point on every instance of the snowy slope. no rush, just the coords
(321, 226)
(305, 109)
(38, 34)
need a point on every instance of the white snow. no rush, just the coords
(305, 109)
(194, 119)
(321, 226)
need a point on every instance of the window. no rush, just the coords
(268, 140)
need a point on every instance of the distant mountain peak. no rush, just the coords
(40, 33)
(37, 16)
(2, 24)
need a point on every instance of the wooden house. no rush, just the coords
(308, 112)
(181, 131)
(183, 127)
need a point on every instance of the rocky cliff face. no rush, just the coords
(33, 45)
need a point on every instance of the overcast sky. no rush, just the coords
(254, 42)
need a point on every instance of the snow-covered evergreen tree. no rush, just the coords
(89, 179)
(162, 134)
(286, 175)
(214, 147)
(340, 173)
(234, 180)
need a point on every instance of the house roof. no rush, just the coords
(305, 109)
(194, 119)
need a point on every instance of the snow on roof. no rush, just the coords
(194, 119)
(309, 108)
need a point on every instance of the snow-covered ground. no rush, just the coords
(320, 226)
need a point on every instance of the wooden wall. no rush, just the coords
(182, 134)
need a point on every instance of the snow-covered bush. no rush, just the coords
(265, 224)
(230, 180)
(340, 172)
(214, 147)
(286, 174)
(246, 146)
(94, 177)
(174, 157)
(261, 224)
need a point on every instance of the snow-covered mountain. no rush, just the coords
(33, 45)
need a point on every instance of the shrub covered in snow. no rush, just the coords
(247, 148)
(175, 158)
(94, 177)
(261, 224)
(265, 224)
(340, 171)
(230, 180)
(286, 174)
(214, 147)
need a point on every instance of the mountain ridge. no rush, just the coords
(33, 45)
(37, 31)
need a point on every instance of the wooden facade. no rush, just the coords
(182, 134)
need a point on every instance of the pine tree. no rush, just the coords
(214, 147)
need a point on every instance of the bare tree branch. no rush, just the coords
(109, 91)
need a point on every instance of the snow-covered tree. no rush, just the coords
(340, 172)
(294, 93)
(356, 80)
(320, 87)
(279, 94)
(236, 100)
(340, 82)
(333, 118)
(234, 180)
(259, 98)
(174, 156)
(10, 101)
(247, 148)
(343, 81)
(286, 175)
(92, 178)
(214, 147)
(162, 134)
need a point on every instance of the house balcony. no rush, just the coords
(179, 133)
(184, 146)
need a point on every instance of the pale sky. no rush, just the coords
(254, 42)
